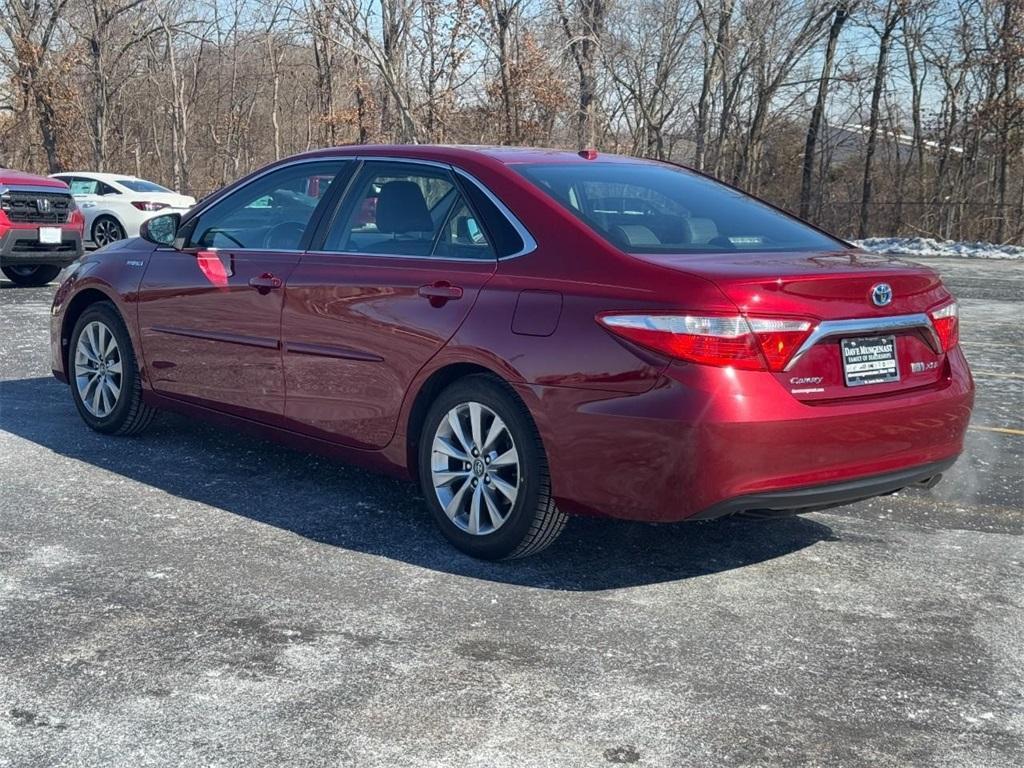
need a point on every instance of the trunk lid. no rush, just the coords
(173, 199)
(826, 288)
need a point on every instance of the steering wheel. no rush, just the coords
(284, 236)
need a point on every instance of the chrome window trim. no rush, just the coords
(529, 244)
(458, 172)
(413, 160)
(359, 255)
(830, 329)
(240, 251)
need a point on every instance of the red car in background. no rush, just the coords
(529, 333)
(40, 227)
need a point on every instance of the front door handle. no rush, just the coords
(440, 292)
(265, 283)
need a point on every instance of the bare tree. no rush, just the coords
(775, 95)
(441, 43)
(840, 15)
(112, 30)
(1010, 104)
(503, 20)
(790, 31)
(385, 53)
(30, 27)
(646, 49)
(713, 68)
(583, 24)
(892, 13)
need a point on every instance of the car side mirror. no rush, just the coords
(161, 229)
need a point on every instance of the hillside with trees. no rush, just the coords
(877, 117)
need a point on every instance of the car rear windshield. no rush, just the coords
(141, 185)
(643, 208)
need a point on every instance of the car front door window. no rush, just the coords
(81, 187)
(272, 213)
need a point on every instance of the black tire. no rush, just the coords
(534, 521)
(129, 414)
(108, 229)
(31, 275)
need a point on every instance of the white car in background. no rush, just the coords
(116, 204)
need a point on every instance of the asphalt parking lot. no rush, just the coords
(197, 597)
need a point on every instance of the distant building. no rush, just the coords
(847, 142)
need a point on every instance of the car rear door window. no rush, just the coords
(273, 212)
(141, 185)
(398, 209)
(504, 237)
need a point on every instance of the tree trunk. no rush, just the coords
(47, 117)
(1007, 97)
(911, 45)
(584, 43)
(842, 13)
(712, 70)
(885, 41)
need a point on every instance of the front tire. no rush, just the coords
(104, 375)
(31, 275)
(484, 473)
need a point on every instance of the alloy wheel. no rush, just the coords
(475, 468)
(98, 369)
(106, 231)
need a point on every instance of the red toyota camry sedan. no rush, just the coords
(529, 334)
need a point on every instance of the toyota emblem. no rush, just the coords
(881, 294)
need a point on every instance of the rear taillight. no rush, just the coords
(947, 325)
(752, 344)
(145, 205)
(779, 338)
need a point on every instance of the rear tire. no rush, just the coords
(106, 230)
(484, 473)
(31, 275)
(104, 375)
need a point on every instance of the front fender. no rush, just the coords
(111, 274)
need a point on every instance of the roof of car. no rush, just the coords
(455, 152)
(98, 176)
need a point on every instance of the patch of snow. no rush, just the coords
(926, 246)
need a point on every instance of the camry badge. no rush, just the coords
(881, 294)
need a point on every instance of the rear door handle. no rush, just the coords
(265, 283)
(440, 292)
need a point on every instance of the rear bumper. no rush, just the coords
(817, 497)
(21, 246)
(706, 442)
